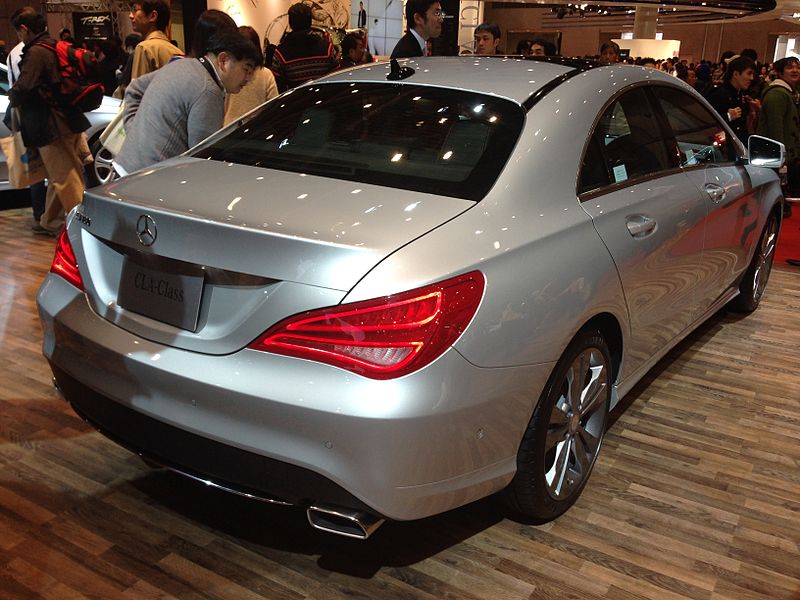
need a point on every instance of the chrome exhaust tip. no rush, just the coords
(343, 521)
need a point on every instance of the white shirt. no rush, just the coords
(13, 63)
(421, 41)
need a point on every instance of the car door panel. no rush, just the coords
(651, 219)
(658, 268)
(709, 157)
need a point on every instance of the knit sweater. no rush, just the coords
(180, 106)
(258, 90)
(302, 56)
(779, 119)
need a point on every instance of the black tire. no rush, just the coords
(755, 279)
(564, 436)
(100, 171)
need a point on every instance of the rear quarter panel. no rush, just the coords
(547, 271)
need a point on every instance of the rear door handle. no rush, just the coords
(640, 226)
(715, 192)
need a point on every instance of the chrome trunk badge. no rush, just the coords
(146, 230)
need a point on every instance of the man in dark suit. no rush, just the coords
(423, 21)
(362, 16)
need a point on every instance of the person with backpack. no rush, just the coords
(47, 120)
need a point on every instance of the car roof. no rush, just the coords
(521, 79)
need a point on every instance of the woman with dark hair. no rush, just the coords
(609, 52)
(718, 74)
(259, 89)
(524, 47)
(703, 83)
(111, 57)
(124, 74)
(208, 23)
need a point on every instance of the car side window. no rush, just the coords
(626, 144)
(700, 137)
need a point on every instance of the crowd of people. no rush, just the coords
(752, 97)
(171, 103)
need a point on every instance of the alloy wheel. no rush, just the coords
(103, 167)
(764, 258)
(576, 425)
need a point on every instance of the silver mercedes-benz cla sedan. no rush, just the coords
(401, 288)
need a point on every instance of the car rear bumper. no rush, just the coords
(289, 429)
(223, 465)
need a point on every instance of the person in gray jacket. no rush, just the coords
(170, 110)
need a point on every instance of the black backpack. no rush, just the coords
(80, 86)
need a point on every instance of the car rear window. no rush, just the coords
(427, 139)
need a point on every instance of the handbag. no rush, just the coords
(25, 166)
(114, 134)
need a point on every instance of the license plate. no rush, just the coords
(165, 290)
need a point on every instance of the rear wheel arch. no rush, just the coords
(609, 326)
(777, 210)
(564, 435)
(754, 280)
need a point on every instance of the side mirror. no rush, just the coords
(764, 152)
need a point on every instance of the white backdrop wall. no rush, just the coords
(269, 17)
(469, 17)
(384, 24)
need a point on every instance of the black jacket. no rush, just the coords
(407, 47)
(43, 118)
(725, 97)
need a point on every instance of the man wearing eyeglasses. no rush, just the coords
(424, 21)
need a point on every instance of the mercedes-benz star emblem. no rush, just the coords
(146, 230)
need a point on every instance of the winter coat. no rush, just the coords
(726, 97)
(44, 116)
(779, 118)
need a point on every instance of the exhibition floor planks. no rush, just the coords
(696, 493)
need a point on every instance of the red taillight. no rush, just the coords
(385, 337)
(64, 262)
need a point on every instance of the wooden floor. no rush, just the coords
(696, 493)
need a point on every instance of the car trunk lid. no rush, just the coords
(176, 255)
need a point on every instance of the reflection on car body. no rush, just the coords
(411, 294)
